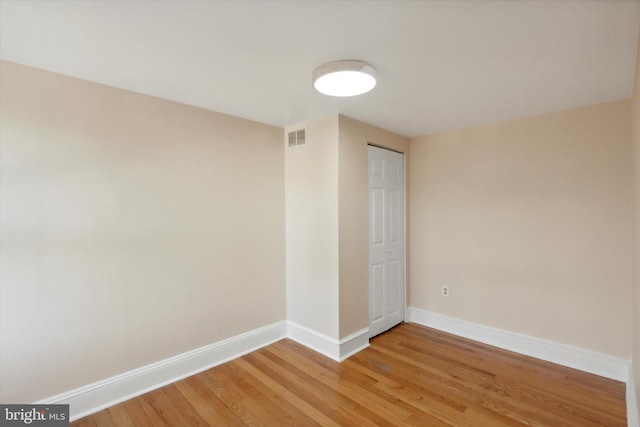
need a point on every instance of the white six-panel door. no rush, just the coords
(386, 240)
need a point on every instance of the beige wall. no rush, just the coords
(311, 176)
(635, 134)
(133, 229)
(529, 223)
(326, 221)
(354, 217)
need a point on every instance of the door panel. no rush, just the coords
(376, 293)
(377, 200)
(394, 214)
(386, 240)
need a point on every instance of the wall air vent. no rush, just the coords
(297, 137)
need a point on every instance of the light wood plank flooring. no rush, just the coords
(411, 375)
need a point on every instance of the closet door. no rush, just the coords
(386, 240)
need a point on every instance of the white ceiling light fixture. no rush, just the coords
(344, 78)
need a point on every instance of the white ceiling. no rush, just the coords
(441, 64)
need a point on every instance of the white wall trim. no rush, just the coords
(632, 401)
(562, 354)
(94, 397)
(316, 341)
(337, 350)
(102, 394)
(354, 343)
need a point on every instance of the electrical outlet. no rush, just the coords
(445, 290)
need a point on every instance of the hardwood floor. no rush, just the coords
(411, 375)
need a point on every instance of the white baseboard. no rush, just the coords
(316, 341)
(562, 354)
(633, 419)
(111, 391)
(94, 397)
(337, 350)
(354, 343)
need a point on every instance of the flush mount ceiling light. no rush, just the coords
(344, 78)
